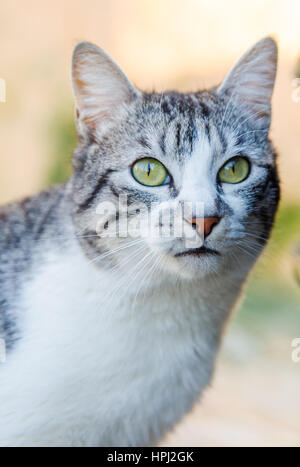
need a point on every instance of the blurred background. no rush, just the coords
(254, 399)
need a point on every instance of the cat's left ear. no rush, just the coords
(251, 81)
(101, 88)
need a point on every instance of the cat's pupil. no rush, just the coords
(149, 169)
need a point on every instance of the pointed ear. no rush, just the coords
(101, 89)
(251, 80)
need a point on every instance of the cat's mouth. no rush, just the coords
(198, 252)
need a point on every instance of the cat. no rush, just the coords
(111, 339)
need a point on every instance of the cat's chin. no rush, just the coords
(192, 265)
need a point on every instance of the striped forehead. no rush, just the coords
(180, 122)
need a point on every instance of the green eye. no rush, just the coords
(234, 171)
(150, 172)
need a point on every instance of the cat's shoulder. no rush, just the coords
(22, 225)
(27, 218)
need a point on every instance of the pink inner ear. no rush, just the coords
(101, 88)
(251, 80)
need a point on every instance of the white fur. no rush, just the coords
(93, 369)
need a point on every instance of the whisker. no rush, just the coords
(130, 278)
(249, 253)
(250, 234)
(250, 116)
(252, 131)
(120, 265)
(142, 282)
(111, 252)
(253, 246)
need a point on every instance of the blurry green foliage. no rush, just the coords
(272, 303)
(272, 297)
(62, 141)
(286, 229)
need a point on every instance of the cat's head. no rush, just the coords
(204, 157)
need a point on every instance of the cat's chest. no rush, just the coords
(68, 303)
(97, 355)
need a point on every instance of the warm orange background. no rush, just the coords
(255, 399)
(161, 43)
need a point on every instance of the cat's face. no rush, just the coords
(193, 175)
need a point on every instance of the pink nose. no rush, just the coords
(204, 226)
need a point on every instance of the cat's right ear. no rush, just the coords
(101, 89)
(251, 81)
